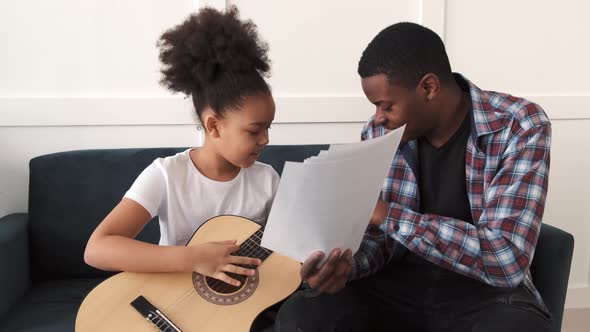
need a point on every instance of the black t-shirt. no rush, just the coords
(443, 191)
(442, 179)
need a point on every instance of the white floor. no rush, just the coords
(576, 320)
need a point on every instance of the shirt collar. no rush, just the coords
(485, 119)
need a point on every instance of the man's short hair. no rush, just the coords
(405, 52)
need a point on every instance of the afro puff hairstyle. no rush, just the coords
(405, 52)
(216, 59)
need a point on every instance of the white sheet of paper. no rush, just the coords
(348, 151)
(326, 202)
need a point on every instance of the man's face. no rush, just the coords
(397, 105)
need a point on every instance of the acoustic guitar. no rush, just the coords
(187, 302)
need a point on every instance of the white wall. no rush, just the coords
(538, 49)
(84, 74)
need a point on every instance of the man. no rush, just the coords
(452, 237)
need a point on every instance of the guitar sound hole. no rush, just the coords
(222, 287)
(220, 293)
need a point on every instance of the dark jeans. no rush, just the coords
(414, 296)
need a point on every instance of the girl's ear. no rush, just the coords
(211, 124)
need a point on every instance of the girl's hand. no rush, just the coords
(214, 259)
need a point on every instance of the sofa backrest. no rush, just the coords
(71, 192)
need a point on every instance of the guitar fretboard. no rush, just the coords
(251, 247)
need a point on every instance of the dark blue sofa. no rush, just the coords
(43, 277)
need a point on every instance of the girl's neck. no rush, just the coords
(212, 165)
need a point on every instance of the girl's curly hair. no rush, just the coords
(215, 58)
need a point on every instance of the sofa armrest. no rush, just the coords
(15, 276)
(550, 269)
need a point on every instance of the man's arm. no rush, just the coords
(499, 248)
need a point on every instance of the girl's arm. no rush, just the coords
(112, 247)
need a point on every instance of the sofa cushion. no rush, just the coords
(69, 195)
(49, 306)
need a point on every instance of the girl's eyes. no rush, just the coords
(254, 133)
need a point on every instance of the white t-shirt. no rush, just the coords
(183, 198)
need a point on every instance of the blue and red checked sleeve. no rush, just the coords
(498, 248)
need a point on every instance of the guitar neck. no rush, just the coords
(251, 247)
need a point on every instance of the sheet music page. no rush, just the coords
(326, 201)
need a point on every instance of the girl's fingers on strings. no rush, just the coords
(226, 242)
(227, 279)
(241, 260)
(238, 270)
(231, 248)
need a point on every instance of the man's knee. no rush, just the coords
(293, 310)
(308, 311)
(505, 318)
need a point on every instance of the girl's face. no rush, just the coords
(243, 133)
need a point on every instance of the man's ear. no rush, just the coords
(429, 86)
(211, 124)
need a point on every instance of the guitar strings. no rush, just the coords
(253, 249)
(249, 248)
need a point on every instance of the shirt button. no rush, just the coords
(396, 228)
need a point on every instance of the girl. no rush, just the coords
(220, 62)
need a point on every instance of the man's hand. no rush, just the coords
(332, 276)
(379, 213)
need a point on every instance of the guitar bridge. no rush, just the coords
(153, 315)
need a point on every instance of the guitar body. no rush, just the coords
(190, 301)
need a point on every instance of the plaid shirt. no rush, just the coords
(507, 168)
